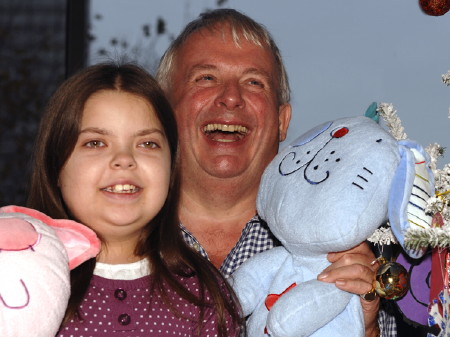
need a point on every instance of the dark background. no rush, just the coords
(35, 57)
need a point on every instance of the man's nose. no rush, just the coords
(230, 96)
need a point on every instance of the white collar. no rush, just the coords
(128, 271)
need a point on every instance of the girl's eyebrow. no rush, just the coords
(95, 130)
(146, 132)
(104, 132)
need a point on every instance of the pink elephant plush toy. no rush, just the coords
(36, 256)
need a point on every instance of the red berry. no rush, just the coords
(435, 7)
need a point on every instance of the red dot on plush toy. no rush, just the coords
(435, 7)
(339, 133)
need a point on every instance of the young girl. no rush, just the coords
(106, 156)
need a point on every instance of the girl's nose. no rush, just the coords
(123, 160)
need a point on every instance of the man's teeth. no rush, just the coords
(225, 128)
(126, 188)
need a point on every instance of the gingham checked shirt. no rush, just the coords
(255, 238)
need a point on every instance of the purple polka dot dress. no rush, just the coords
(119, 303)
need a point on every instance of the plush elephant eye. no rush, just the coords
(339, 133)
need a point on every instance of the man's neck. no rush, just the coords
(216, 216)
(210, 200)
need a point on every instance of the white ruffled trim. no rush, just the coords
(129, 271)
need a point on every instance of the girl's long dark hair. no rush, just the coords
(161, 241)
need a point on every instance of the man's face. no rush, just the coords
(225, 100)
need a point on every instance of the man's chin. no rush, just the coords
(226, 167)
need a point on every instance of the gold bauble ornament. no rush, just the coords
(391, 281)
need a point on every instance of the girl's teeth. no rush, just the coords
(126, 188)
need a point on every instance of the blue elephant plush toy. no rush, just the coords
(328, 191)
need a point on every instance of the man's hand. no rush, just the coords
(353, 271)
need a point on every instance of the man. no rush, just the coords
(227, 84)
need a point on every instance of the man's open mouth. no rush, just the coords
(225, 133)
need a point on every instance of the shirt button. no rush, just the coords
(124, 319)
(120, 294)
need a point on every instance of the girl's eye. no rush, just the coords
(94, 144)
(149, 145)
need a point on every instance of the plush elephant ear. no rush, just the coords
(412, 186)
(372, 112)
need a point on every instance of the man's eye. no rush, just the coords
(94, 144)
(205, 78)
(149, 145)
(256, 83)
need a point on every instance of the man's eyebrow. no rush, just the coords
(203, 66)
(211, 67)
(256, 71)
(200, 67)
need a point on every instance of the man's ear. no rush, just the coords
(284, 117)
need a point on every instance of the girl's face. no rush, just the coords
(117, 177)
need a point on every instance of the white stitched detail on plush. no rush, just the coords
(420, 194)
